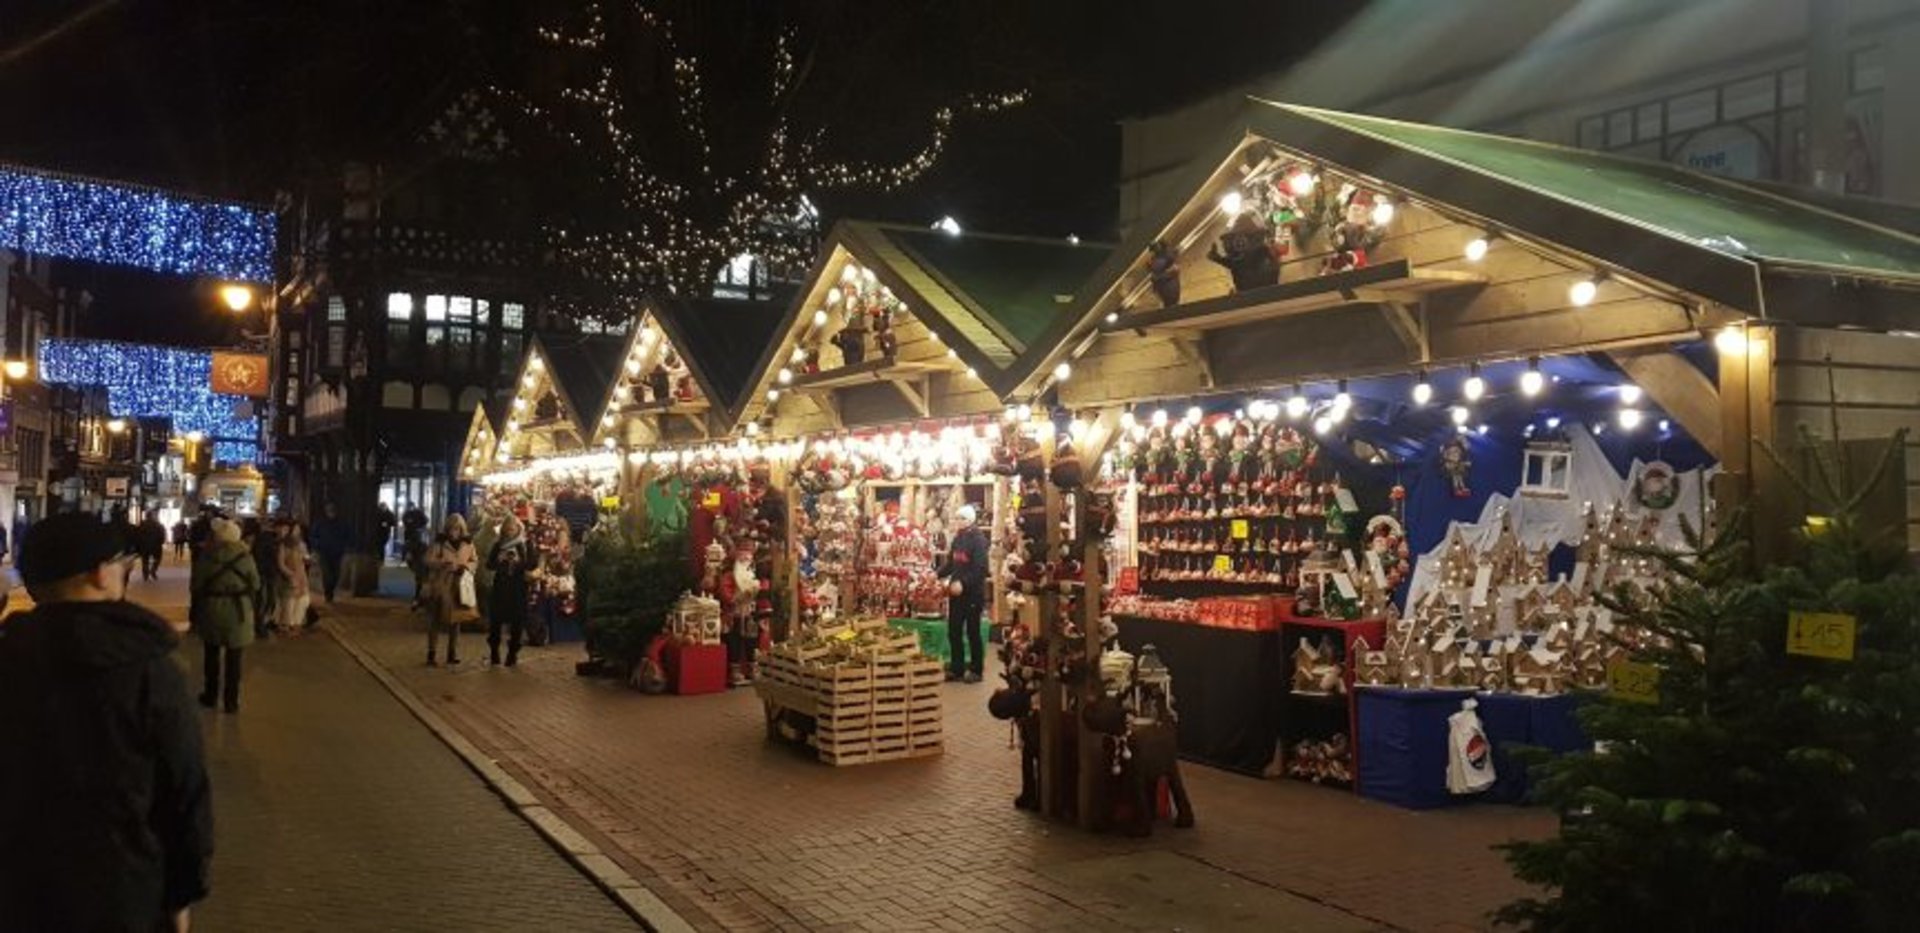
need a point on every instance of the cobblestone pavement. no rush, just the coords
(336, 810)
(739, 834)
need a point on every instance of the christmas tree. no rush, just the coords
(1760, 789)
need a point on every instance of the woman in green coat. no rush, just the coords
(225, 581)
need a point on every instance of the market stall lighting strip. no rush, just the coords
(109, 222)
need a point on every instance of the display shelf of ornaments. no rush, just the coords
(870, 692)
(1493, 622)
(1317, 715)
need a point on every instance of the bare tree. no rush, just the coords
(682, 133)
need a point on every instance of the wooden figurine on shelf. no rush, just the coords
(1370, 666)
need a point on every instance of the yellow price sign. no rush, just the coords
(1239, 529)
(847, 635)
(1222, 563)
(1821, 635)
(711, 501)
(1633, 681)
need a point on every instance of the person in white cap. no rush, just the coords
(965, 571)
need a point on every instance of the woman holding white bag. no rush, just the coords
(450, 588)
(295, 593)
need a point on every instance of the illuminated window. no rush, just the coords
(512, 316)
(460, 308)
(336, 308)
(436, 307)
(400, 307)
(482, 313)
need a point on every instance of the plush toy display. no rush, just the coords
(1245, 252)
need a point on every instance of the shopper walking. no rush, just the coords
(296, 592)
(153, 546)
(330, 539)
(225, 582)
(507, 601)
(263, 542)
(450, 558)
(180, 532)
(413, 532)
(965, 571)
(105, 811)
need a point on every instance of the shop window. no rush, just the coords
(1646, 122)
(400, 307)
(1748, 98)
(513, 316)
(482, 312)
(1692, 111)
(1869, 70)
(1547, 471)
(399, 344)
(1793, 87)
(436, 347)
(336, 346)
(293, 392)
(396, 395)
(435, 397)
(1620, 128)
(460, 308)
(336, 308)
(461, 356)
(1593, 133)
(436, 308)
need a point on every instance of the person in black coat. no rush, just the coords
(965, 570)
(510, 558)
(105, 810)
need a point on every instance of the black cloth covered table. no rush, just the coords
(1226, 688)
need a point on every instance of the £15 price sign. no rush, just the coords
(1821, 635)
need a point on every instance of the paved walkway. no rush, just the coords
(336, 810)
(738, 834)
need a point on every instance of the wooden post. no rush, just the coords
(1091, 446)
(1051, 706)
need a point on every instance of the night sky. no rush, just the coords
(242, 98)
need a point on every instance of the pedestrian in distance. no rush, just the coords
(296, 593)
(153, 546)
(507, 600)
(105, 809)
(383, 525)
(413, 528)
(330, 540)
(226, 582)
(263, 542)
(448, 560)
(180, 532)
(965, 571)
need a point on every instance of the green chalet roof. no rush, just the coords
(1702, 209)
(723, 338)
(1757, 250)
(999, 292)
(583, 367)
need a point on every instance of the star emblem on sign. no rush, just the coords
(241, 372)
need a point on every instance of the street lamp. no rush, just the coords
(117, 426)
(238, 298)
(16, 370)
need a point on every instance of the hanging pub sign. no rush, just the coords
(239, 374)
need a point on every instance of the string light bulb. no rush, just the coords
(1629, 418)
(1297, 405)
(1477, 248)
(1583, 292)
(1062, 372)
(1475, 386)
(1531, 381)
(1301, 183)
(1232, 202)
(1459, 414)
(1631, 394)
(1422, 389)
(1382, 212)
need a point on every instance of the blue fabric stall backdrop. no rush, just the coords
(1580, 390)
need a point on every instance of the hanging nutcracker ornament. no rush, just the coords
(1456, 461)
(1163, 269)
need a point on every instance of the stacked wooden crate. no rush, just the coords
(871, 694)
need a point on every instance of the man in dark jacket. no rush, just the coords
(105, 812)
(153, 545)
(330, 540)
(966, 565)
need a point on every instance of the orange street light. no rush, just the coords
(238, 298)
